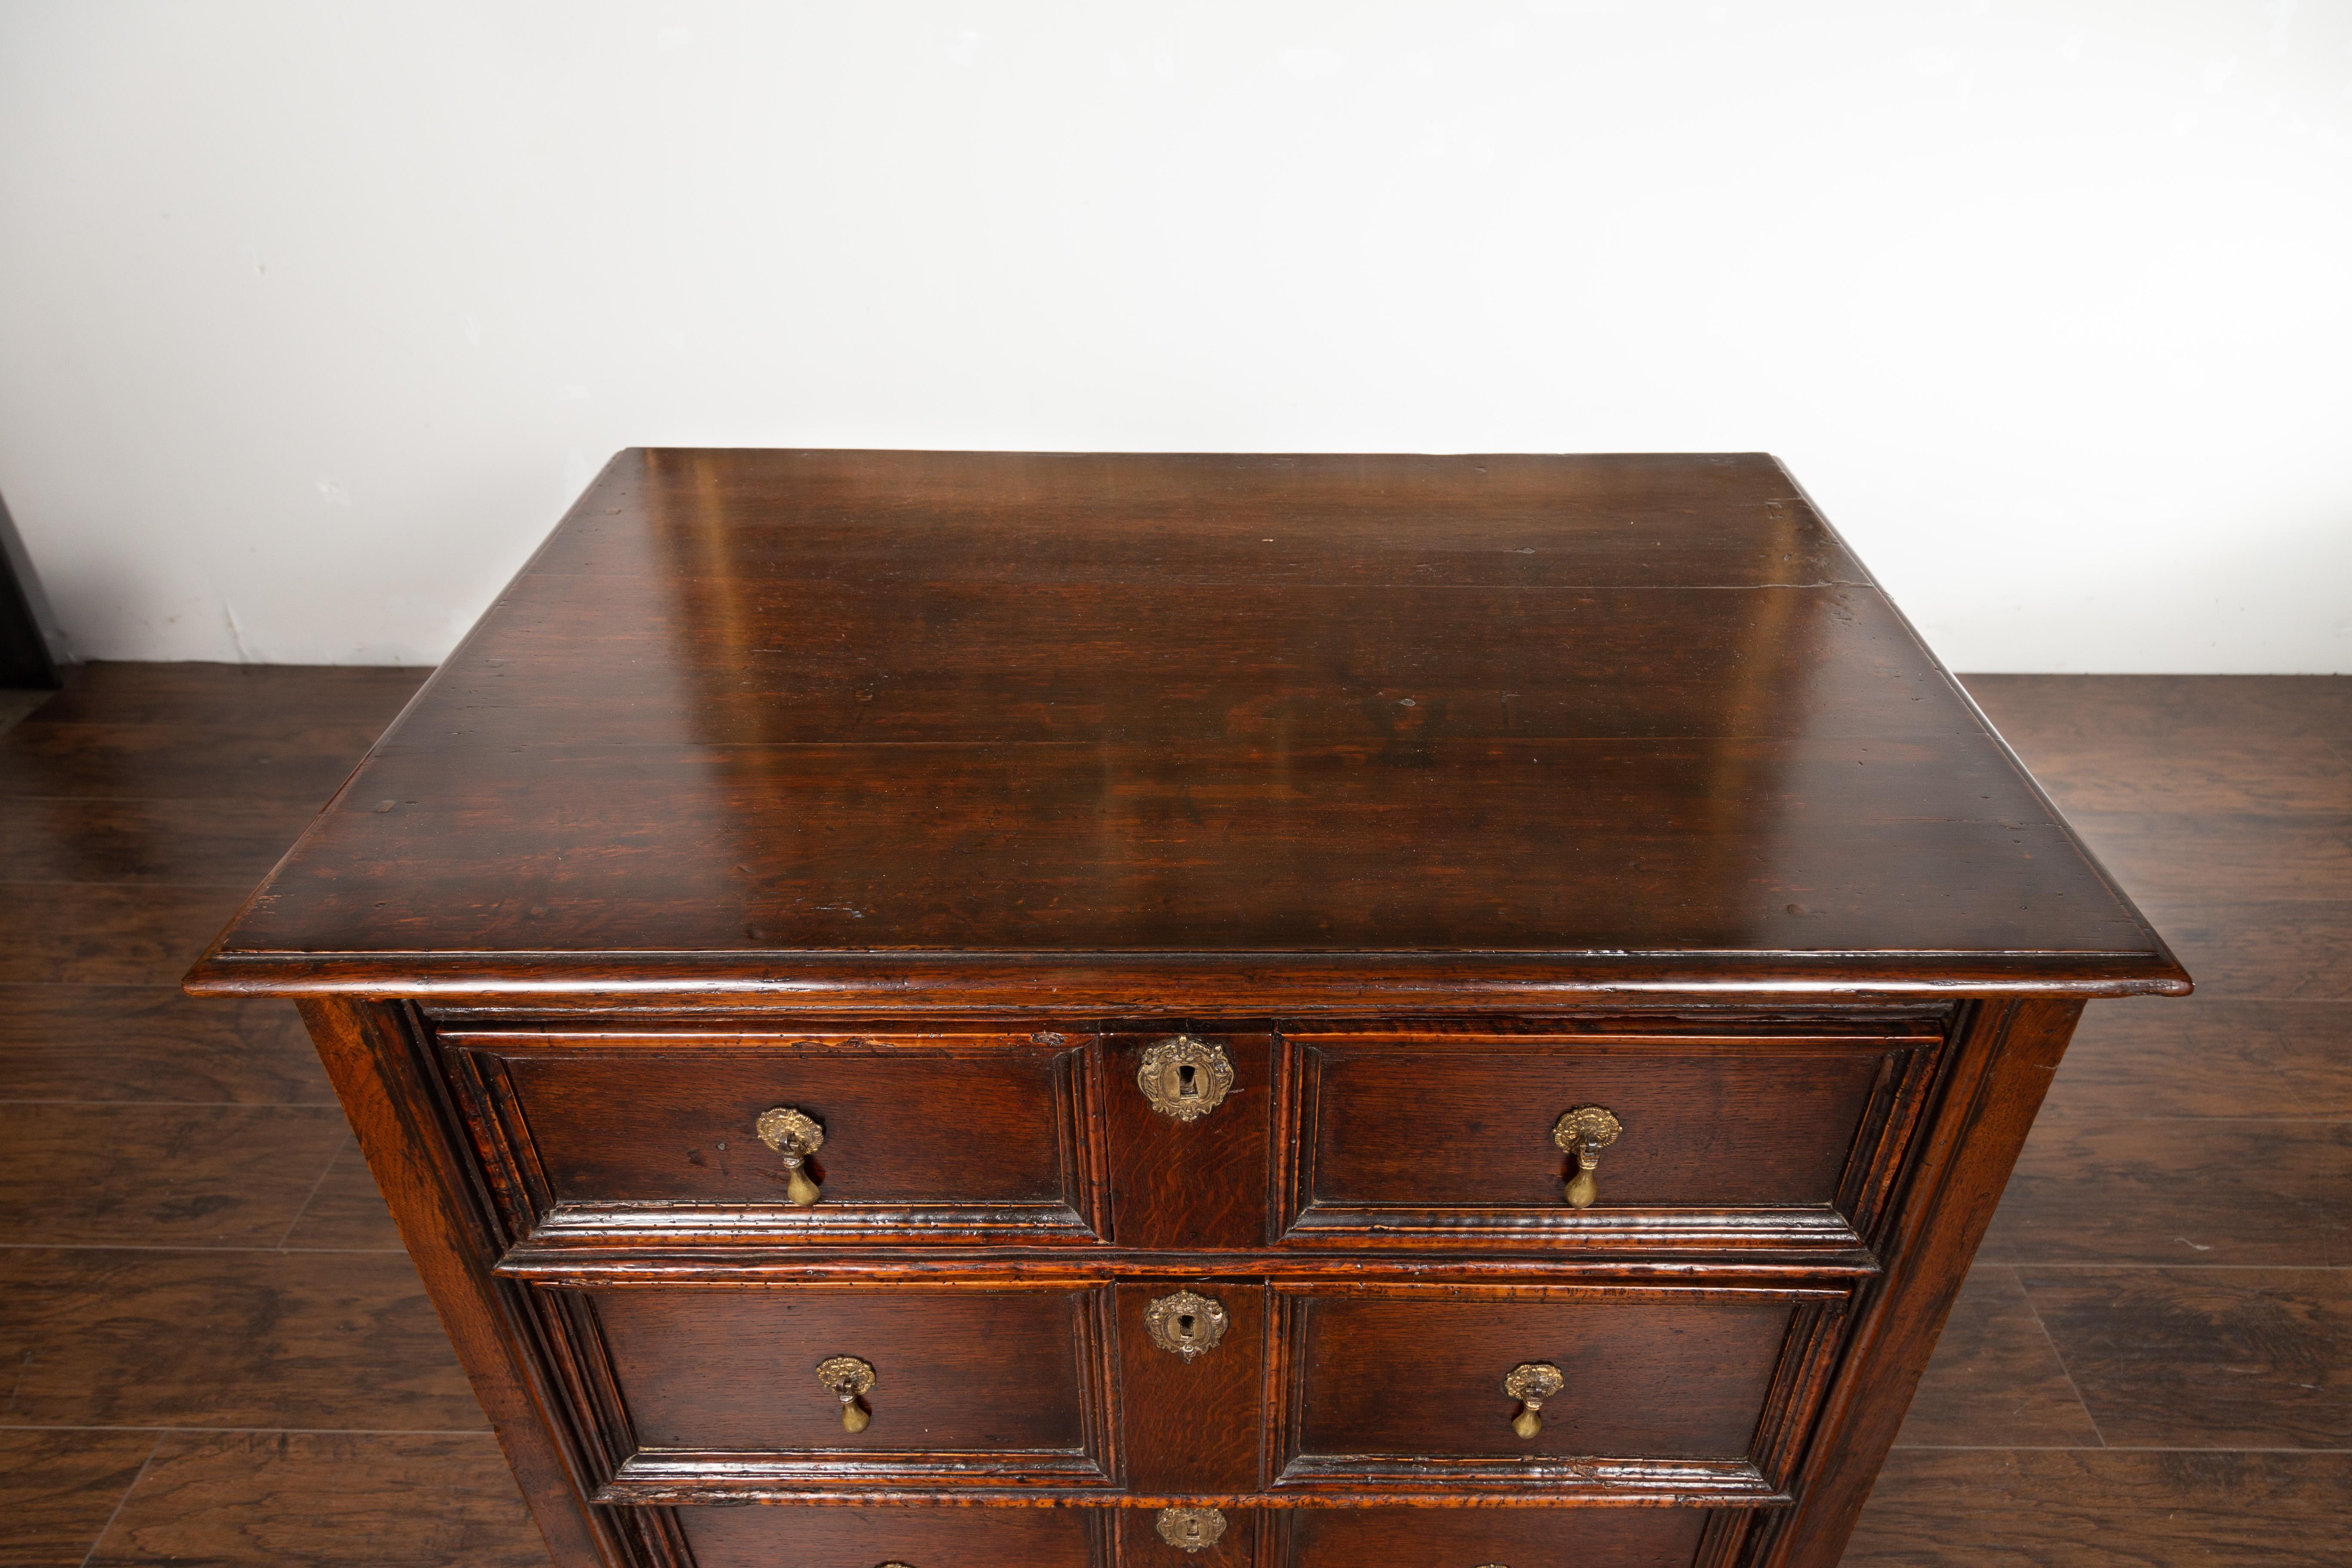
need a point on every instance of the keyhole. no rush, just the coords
(1185, 1088)
(1192, 1530)
(1184, 1326)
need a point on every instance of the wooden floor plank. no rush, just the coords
(2185, 858)
(327, 1499)
(2314, 1053)
(160, 1175)
(2205, 1358)
(2191, 1058)
(251, 699)
(2087, 1510)
(151, 1043)
(1995, 1379)
(347, 1213)
(2289, 949)
(2173, 1191)
(177, 762)
(308, 1340)
(2261, 775)
(47, 838)
(57, 1490)
(109, 935)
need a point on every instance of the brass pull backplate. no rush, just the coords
(1185, 1078)
(848, 1379)
(1186, 1324)
(1581, 1134)
(795, 1136)
(1531, 1383)
(1192, 1528)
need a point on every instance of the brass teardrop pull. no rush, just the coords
(1531, 1383)
(848, 1379)
(795, 1137)
(1583, 1134)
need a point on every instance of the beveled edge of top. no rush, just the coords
(1163, 982)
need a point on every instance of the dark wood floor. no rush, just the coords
(214, 1351)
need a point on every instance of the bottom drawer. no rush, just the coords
(784, 1536)
(1491, 1537)
(931, 1536)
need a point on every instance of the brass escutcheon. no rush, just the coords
(1185, 1078)
(1531, 1383)
(1186, 1324)
(1583, 1134)
(795, 1136)
(1192, 1528)
(848, 1379)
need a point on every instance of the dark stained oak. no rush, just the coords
(1197, 1427)
(1706, 1140)
(926, 791)
(1422, 1374)
(1191, 1184)
(1622, 1538)
(780, 710)
(921, 1537)
(957, 1371)
(657, 1130)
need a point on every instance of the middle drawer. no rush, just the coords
(700, 1390)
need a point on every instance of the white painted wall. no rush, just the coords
(314, 316)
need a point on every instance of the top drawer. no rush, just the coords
(590, 1135)
(1778, 1134)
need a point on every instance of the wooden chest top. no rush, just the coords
(908, 728)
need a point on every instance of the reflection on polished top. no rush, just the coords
(798, 719)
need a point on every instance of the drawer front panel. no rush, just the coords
(970, 1386)
(1503, 1537)
(1681, 1393)
(956, 1139)
(1787, 1140)
(918, 1536)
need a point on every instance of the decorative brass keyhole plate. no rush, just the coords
(1192, 1528)
(1186, 1324)
(1185, 1078)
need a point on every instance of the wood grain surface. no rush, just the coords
(782, 710)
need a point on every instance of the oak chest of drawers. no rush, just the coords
(955, 1010)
